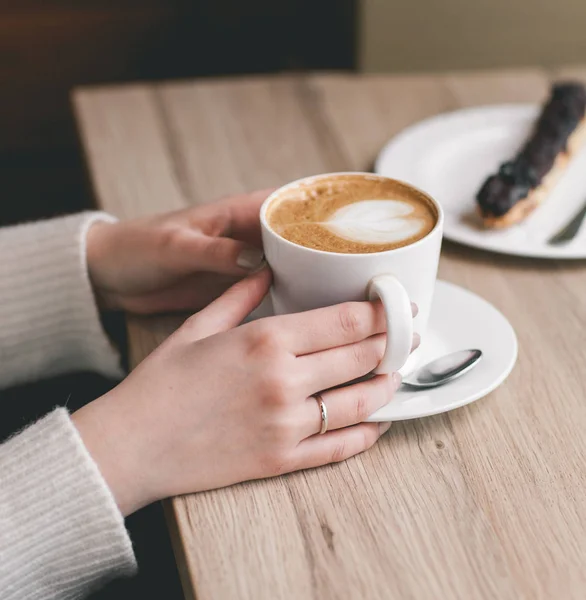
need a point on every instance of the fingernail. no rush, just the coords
(414, 309)
(384, 427)
(263, 265)
(397, 380)
(250, 258)
(416, 341)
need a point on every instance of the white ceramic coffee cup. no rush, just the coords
(305, 278)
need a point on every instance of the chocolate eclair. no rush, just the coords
(524, 182)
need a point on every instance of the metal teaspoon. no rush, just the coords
(444, 369)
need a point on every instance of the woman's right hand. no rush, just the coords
(213, 406)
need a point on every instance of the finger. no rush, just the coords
(244, 213)
(220, 255)
(190, 294)
(349, 405)
(333, 326)
(337, 366)
(336, 446)
(232, 307)
(340, 365)
(338, 325)
(416, 342)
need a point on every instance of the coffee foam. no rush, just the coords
(352, 214)
(376, 222)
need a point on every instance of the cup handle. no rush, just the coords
(399, 321)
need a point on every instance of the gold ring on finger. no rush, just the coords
(323, 409)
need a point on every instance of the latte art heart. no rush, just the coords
(375, 222)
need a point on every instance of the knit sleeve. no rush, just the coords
(61, 533)
(49, 322)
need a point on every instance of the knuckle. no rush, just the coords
(348, 319)
(191, 321)
(378, 345)
(216, 252)
(339, 452)
(191, 324)
(368, 353)
(369, 437)
(360, 355)
(170, 236)
(361, 407)
(264, 340)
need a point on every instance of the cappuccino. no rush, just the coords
(352, 214)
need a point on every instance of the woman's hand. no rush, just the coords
(176, 261)
(213, 406)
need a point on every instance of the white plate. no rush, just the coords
(450, 155)
(459, 320)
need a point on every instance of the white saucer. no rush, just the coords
(459, 320)
(450, 155)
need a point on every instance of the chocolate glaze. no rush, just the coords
(516, 178)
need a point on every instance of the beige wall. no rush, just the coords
(422, 35)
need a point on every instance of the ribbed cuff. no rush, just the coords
(61, 533)
(49, 321)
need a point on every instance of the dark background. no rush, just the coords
(49, 47)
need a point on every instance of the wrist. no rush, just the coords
(114, 442)
(97, 244)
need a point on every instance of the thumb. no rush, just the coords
(232, 307)
(222, 255)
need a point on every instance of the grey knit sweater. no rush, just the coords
(61, 533)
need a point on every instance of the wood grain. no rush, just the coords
(485, 502)
(151, 180)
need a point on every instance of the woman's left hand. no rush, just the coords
(176, 261)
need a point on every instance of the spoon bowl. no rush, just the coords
(443, 370)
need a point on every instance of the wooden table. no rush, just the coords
(488, 501)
